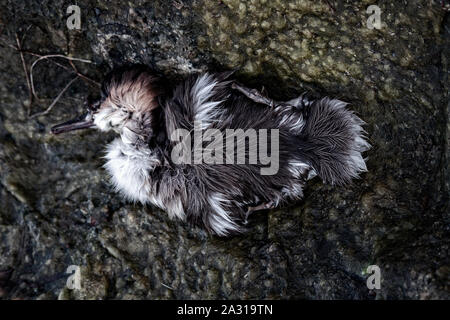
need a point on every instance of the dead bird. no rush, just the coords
(313, 137)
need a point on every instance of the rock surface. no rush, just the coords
(57, 208)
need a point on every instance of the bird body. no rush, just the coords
(278, 146)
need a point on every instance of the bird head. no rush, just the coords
(129, 95)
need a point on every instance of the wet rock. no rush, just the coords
(57, 208)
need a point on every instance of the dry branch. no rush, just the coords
(51, 58)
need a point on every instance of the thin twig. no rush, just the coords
(53, 61)
(82, 75)
(27, 76)
(73, 66)
(39, 55)
(47, 57)
(165, 285)
(25, 33)
(50, 107)
(330, 6)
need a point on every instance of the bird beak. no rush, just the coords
(82, 122)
